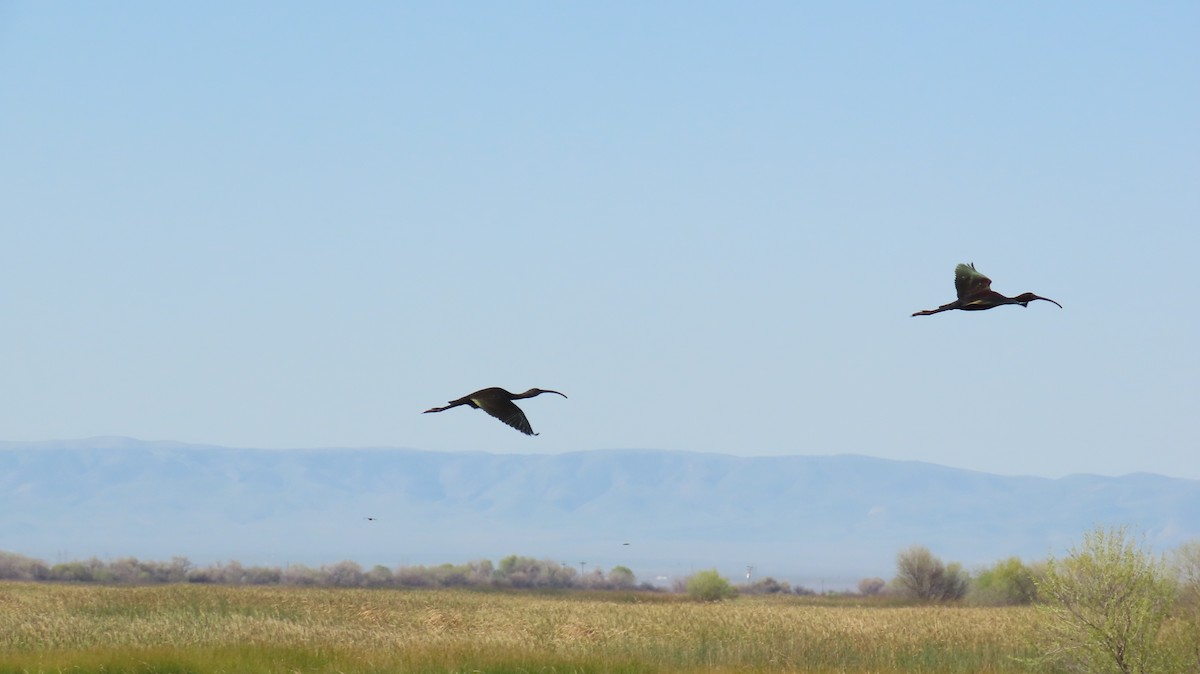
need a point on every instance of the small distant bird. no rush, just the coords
(499, 403)
(624, 544)
(372, 519)
(975, 293)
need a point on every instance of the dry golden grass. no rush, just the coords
(187, 628)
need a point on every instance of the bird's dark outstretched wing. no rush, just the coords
(508, 412)
(968, 282)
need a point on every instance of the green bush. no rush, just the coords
(621, 578)
(1106, 603)
(1008, 583)
(709, 586)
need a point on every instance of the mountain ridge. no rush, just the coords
(791, 516)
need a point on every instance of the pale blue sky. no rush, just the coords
(301, 224)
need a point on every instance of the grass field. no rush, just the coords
(210, 629)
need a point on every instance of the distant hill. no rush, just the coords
(808, 519)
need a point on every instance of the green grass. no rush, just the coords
(190, 629)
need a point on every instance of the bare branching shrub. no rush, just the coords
(262, 575)
(869, 587)
(593, 580)
(414, 576)
(20, 567)
(920, 575)
(231, 573)
(343, 574)
(127, 570)
(517, 571)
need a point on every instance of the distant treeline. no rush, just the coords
(513, 571)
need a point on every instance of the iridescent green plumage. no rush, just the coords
(969, 282)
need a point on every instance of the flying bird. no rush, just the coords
(499, 403)
(369, 519)
(975, 293)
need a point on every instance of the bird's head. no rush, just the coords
(1025, 298)
(538, 391)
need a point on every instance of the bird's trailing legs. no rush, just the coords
(498, 403)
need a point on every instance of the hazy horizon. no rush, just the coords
(796, 518)
(115, 441)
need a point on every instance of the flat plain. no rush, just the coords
(205, 629)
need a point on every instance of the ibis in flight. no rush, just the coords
(499, 403)
(975, 293)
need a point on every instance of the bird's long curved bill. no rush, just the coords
(1048, 300)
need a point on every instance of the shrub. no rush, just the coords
(20, 567)
(920, 575)
(520, 571)
(621, 578)
(378, 576)
(766, 585)
(709, 586)
(1008, 583)
(1186, 562)
(869, 587)
(299, 574)
(1106, 603)
(343, 574)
